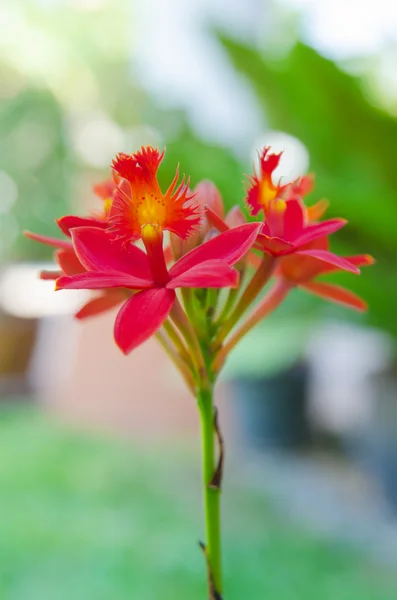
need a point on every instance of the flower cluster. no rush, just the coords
(173, 290)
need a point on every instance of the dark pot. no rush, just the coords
(272, 411)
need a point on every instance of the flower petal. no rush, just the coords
(335, 293)
(69, 262)
(312, 232)
(50, 275)
(96, 306)
(228, 247)
(48, 241)
(141, 316)
(359, 260)
(92, 280)
(274, 245)
(316, 211)
(208, 274)
(215, 220)
(70, 221)
(235, 217)
(97, 252)
(294, 218)
(331, 258)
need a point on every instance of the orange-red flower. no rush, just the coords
(143, 211)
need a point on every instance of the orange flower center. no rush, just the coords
(267, 191)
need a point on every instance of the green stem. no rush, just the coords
(211, 493)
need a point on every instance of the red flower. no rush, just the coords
(302, 270)
(142, 208)
(112, 264)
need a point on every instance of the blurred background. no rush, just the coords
(99, 468)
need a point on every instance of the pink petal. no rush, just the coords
(96, 306)
(335, 293)
(70, 221)
(229, 247)
(293, 219)
(141, 316)
(235, 217)
(48, 241)
(208, 274)
(312, 232)
(91, 280)
(98, 252)
(331, 258)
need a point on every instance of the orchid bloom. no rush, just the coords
(111, 264)
(176, 295)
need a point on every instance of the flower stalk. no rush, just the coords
(211, 494)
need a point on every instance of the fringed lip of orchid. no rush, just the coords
(145, 204)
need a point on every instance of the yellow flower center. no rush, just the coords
(151, 210)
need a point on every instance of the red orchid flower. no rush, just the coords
(111, 264)
(289, 226)
(302, 270)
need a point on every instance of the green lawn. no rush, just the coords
(88, 518)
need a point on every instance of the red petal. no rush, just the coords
(48, 241)
(215, 220)
(141, 316)
(269, 162)
(69, 262)
(143, 164)
(108, 300)
(208, 274)
(50, 275)
(313, 232)
(293, 219)
(92, 280)
(274, 245)
(359, 260)
(105, 189)
(98, 252)
(333, 259)
(69, 221)
(229, 247)
(335, 293)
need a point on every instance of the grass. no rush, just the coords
(88, 518)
